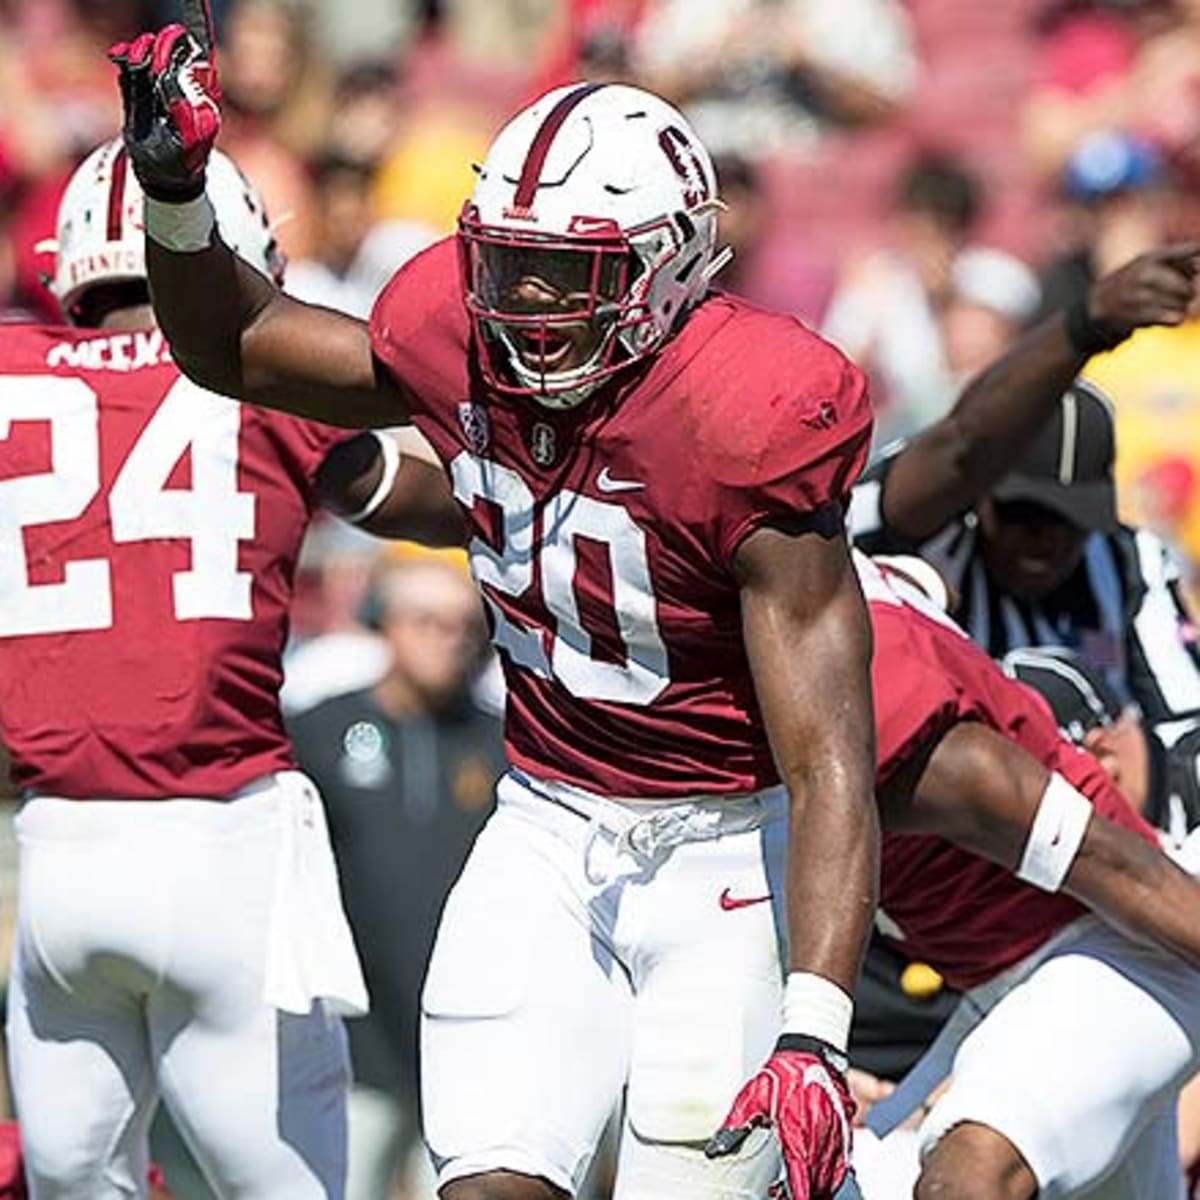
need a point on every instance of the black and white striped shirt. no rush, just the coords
(1121, 607)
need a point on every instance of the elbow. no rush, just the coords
(964, 449)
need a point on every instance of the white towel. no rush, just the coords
(310, 949)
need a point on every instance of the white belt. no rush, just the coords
(310, 949)
(644, 832)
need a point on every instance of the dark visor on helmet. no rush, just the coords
(511, 280)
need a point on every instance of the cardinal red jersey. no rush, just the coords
(148, 535)
(603, 537)
(967, 917)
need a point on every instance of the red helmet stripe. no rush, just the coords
(116, 194)
(539, 148)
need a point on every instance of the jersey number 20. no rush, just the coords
(212, 514)
(512, 572)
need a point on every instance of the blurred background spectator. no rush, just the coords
(1113, 208)
(333, 649)
(764, 76)
(406, 769)
(353, 256)
(1130, 65)
(926, 311)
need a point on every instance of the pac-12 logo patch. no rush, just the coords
(543, 444)
(476, 426)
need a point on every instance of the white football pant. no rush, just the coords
(590, 947)
(1078, 1065)
(139, 973)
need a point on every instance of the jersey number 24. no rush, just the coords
(212, 515)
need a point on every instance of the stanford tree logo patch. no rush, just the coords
(542, 444)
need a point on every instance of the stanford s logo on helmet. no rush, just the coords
(684, 156)
(590, 232)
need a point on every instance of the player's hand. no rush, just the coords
(172, 103)
(1156, 288)
(801, 1093)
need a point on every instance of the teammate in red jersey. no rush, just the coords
(1000, 836)
(167, 945)
(654, 478)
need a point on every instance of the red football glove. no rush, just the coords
(801, 1092)
(172, 103)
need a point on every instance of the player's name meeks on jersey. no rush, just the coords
(113, 352)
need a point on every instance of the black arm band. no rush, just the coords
(1089, 336)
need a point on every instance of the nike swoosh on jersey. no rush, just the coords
(606, 483)
(729, 902)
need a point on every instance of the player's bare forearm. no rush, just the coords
(974, 788)
(232, 331)
(808, 640)
(982, 792)
(959, 458)
(1137, 888)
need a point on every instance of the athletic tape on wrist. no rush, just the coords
(817, 1007)
(186, 227)
(1057, 833)
(383, 489)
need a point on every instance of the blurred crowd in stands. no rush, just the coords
(921, 179)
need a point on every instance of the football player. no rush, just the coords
(178, 907)
(654, 478)
(1013, 865)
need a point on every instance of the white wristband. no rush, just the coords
(1056, 835)
(817, 1007)
(185, 228)
(383, 489)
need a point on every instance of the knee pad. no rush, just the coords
(696, 1040)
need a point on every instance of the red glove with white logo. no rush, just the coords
(172, 103)
(801, 1092)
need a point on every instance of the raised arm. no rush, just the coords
(986, 794)
(959, 458)
(230, 329)
(808, 640)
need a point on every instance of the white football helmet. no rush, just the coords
(100, 236)
(603, 192)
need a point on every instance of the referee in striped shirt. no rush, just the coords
(1036, 555)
